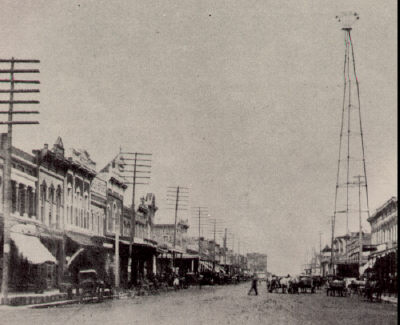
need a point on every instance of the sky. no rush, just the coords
(240, 101)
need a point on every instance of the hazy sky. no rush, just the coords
(240, 100)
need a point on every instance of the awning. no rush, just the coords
(206, 265)
(189, 256)
(176, 250)
(81, 239)
(219, 269)
(138, 241)
(32, 249)
(162, 250)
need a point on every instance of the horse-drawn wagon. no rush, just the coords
(305, 282)
(336, 287)
(90, 285)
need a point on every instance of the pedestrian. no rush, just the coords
(253, 285)
(176, 282)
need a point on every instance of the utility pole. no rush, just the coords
(199, 240)
(178, 194)
(116, 275)
(233, 253)
(7, 191)
(332, 239)
(176, 216)
(140, 162)
(215, 225)
(360, 242)
(225, 245)
(200, 211)
(320, 253)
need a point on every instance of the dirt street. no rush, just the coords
(213, 305)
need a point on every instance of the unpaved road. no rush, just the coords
(213, 305)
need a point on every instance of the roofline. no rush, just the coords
(381, 208)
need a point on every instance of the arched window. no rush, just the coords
(109, 219)
(77, 205)
(58, 206)
(51, 206)
(114, 216)
(43, 194)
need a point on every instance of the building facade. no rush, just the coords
(257, 262)
(384, 229)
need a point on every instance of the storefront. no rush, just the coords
(84, 252)
(34, 267)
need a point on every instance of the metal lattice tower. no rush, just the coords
(351, 162)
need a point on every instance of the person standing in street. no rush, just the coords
(253, 285)
(176, 282)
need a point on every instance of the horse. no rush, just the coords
(373, 287)
(273, 285)
(357, 287)
(284, 283)
(293, 285)
(305, 282)
(348, 284)
(318, 281)
(336, 287)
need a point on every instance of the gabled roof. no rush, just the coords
(326, 249)
(59, 143)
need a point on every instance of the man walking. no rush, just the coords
(253, 284)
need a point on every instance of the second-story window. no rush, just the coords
(51, 202)
(43, 193)
(58, 206)
(109, 219)
(14, 196)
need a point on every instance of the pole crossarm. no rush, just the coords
(19, 71)
(19, 122)
(135, 153)
(19, 102)
(19, 61)
(133, 159)
(19, 91)
(19, 112)
(20, 81)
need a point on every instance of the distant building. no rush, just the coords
(325, 260)
(346, 253)
(353, 248)
(164, 233)
(257, 262)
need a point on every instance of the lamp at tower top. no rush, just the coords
(347, 19)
